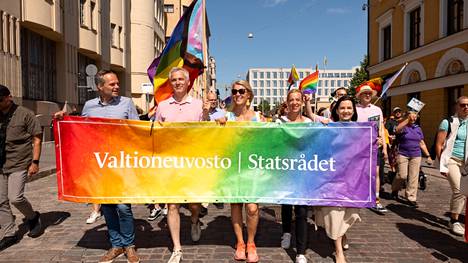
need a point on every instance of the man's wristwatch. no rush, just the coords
(35, 162)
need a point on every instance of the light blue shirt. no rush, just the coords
(118, 108)
(216, 114)
(460, 140)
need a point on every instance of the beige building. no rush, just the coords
(45, 47)
(432, 37)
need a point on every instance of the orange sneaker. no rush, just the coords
(240, 252)
(251, 253)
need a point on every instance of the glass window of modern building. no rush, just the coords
(261, 92)
(262, 84)
(338, 83)
(275, 83)
(343, 75)
(261, 75)
(320, 83)
(349, 75)
(330, 75)
(255, 92)
(254, 83)
(275, 75)
(320, 92)
(345, 83)
(275, 92)
(254, 73)
(268, 92)
(332, 83)
(326, 83)
(268, 74)
(337, 75)
(268, 83)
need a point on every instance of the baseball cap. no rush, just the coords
(396, 109)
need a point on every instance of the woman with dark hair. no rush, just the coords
(337, 220)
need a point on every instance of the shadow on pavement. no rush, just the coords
(48, 219)
(446, 247)
(412, 213)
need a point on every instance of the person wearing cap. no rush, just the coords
(20, 149)
(369, 112)
(410, 144)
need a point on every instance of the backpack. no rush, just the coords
(432, 151)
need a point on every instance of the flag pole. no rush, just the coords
(205, 52)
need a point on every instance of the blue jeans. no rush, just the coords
(119, 220)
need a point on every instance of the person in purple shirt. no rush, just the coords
(410, 143)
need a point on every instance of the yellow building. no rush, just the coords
(45, 47)
(432, 37)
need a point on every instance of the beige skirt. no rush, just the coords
(336, 220)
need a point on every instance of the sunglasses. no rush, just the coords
(463, 105)
(240, 91)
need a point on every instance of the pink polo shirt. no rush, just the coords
(368, 113)
(186, 111)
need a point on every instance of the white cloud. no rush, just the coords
(273, 3)
(337, 11)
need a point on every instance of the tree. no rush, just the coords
(264, 106)
(359, 76)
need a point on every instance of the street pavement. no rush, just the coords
(402, 235)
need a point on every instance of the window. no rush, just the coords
(267, 83)
(275, 92)
(349, 75)
(82, 12)
(453, 94)
(337, 75)
(261, 92)
(454, 16)
(345, 83)
(320, 92)
(120, 37)
(275, 75)
(38, 65)
(338, 83)
(254, 74)
(169, 8)
(330, 75)
(262, 84)
(114, 35)
(326, 83)
(320, 83)
(332, 83)
(255, 92)
(83, 93)
(415, 28)
(254, 83)
(261, 75)
(93, 18)
(275, 83)
(268, 75)
(268, 92)
(387, 42)
(343, 75)
(301, 75)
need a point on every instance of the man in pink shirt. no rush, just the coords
(369, 112)
(181, 107)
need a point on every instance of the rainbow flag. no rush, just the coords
(184, 49)
(293, 77)
(309, 84)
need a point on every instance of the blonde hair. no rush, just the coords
(246, 85)
(294, 91)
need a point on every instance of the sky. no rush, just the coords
(285, 32)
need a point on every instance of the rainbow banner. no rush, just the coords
(309, 84)
(118, 161)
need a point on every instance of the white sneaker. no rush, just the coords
(176, 257)
(301, 259)
(93, 217)
(196, 231)
(286, 240)
(164, 211)
(457, 229)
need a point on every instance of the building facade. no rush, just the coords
(271, 84)
(432, 37)
(46, 47)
